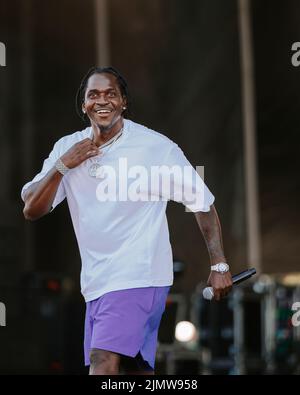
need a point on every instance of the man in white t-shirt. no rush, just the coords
(117, 177)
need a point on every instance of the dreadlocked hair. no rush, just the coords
(83, 85)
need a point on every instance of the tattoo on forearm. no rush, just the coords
(211, 229)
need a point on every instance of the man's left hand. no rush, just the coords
(221, 284)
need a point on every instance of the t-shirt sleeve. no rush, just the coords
(48, 164)
(186, 185)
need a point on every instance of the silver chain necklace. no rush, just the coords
(95, 168)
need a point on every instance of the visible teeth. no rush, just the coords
(102, 111)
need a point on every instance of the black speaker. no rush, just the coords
(53, 315)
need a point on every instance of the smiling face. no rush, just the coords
(103, 101)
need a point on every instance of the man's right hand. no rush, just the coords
(79, 152)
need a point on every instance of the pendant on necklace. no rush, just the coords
(95, 170)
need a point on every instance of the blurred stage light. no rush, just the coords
(262, 284)
(291, 280)
(185, 331)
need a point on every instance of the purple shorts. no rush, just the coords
(126, 322)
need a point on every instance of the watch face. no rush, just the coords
(223, 268)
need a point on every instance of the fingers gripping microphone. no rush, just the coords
(208, 292)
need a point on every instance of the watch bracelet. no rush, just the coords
(61, 167)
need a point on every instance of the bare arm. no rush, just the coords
(40, 195)
(211, 230)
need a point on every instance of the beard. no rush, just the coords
(107, 128)
(104, 129)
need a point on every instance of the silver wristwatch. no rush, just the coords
(61, 167)
(221, 267)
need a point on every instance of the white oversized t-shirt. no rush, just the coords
(124, 241)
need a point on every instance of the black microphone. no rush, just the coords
(208, 292)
